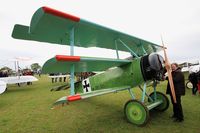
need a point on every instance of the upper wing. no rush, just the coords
(53, 26)
(62, 63)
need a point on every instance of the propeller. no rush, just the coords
(169, 72)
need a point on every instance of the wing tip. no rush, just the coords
(67, 58)
(60, 14)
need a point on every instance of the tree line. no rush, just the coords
(35, 68)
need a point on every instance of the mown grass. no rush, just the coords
(27, 109)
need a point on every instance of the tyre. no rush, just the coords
(160, 96)
(189, 85)
(136, 112)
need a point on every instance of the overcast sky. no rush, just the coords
(178, 21)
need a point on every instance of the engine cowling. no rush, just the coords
(152, 67)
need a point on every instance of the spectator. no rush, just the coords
(179, 86)
(193, 79)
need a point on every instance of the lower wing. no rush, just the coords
(76, 97)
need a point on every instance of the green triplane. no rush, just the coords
(56, 27)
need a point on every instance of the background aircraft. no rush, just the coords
(56, 27)
(190, 66)
(17, 79)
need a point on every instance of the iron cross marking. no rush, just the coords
(86, 85)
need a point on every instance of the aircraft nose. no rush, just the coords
(152, 67)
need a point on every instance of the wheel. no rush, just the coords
(160, 96)
(189, 85)
(136, 113)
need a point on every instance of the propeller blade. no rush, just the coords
(169, 72)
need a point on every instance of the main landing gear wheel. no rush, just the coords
(160, 96)
(136, 113)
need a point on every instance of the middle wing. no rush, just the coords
(62, 63)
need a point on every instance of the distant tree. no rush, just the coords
(35, 67)
(5, 68)
(6, 71)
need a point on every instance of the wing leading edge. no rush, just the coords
(53, 26)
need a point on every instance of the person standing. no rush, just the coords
(198, 79)
(179, 86)
(194, 80)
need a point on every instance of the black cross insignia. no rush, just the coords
(86, 85)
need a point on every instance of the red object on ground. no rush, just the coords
(67, 58)
(198, 85)
(60, 14)
(74, 98)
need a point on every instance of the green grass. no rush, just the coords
(27, 109)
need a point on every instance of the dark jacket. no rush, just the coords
(179, 83)
(193, 78)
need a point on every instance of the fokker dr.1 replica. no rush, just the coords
(56, 27)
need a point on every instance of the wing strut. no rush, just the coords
(132, 52)
(145, 52)
(72, 66)
(116, 49)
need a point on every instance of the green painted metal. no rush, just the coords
(95, 59)
(136, 112)
(131, 93)
(143, 49)
(60, 87)
(72, 67)
(46, 27)
(144, 92)
(62, 100)
(160, 97)
(104, 91)
(117, 52)
(72, 42)
(154, 104)
(126, 75)
(87, 64)
(154, 90)
(137, 72)
(130, 50)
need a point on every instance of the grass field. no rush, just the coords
(27, 110)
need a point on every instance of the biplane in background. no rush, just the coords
(191, 67)
(18, 78)
(56, 27)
